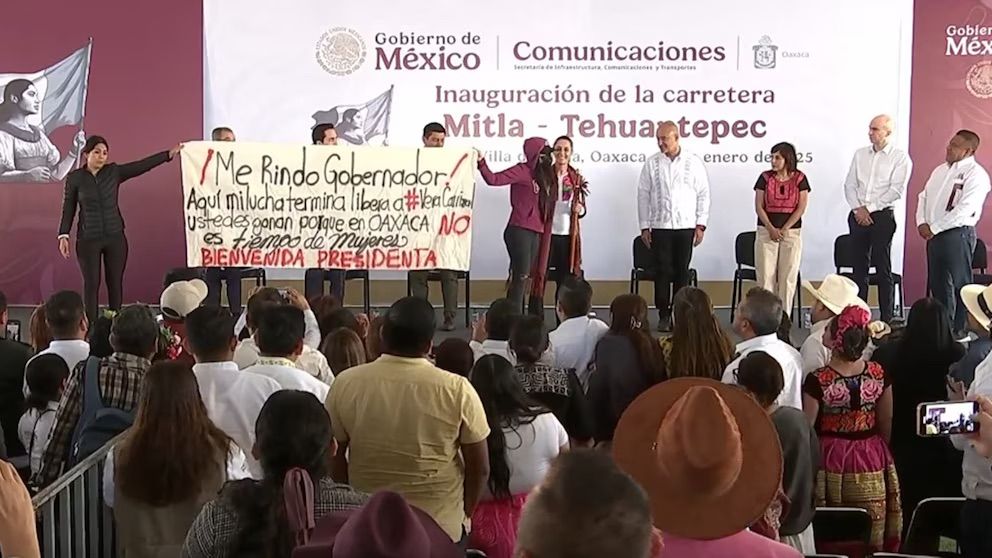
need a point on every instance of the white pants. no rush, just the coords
(777, 264)
(803, 542)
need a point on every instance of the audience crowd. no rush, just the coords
(299, 428)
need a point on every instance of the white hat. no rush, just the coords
(836, 292)
(182, 297)
(978, 300)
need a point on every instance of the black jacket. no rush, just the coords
(96, 197)
(14, 357)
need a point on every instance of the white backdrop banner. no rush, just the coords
(737, 77)
(299, 206)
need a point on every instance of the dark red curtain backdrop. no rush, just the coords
(941, 104)
(145, 94)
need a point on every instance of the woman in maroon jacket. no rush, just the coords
(523, 233)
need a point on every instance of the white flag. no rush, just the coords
(361, 124)
(62, 88)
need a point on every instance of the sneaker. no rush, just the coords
(665, 324)
(448, 325)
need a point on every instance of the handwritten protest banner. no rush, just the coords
(295, 206)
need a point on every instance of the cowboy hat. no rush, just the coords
(706, 453)
(182, 297)
(978, 300)
(836, 292)
(385, 527)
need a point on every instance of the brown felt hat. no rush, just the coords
(706, 453)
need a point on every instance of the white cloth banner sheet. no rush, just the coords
(302, 206)
(738, 77)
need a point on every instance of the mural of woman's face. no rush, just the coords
(29, 101)
(97, 158)
(358, 119)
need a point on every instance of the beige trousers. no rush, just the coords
(777, 264)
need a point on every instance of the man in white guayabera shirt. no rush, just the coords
(673, 206)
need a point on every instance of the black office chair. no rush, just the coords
(844, 264)
(256, 273)
(644, 267)
(434, 276)
(843, 528)
(744, 256)
(363, 276)
(980, 264)
(933, 519)
(354, 275)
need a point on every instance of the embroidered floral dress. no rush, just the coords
(857, 469)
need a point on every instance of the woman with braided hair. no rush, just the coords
(269, 517)
(849, 401)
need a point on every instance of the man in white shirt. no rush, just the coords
(834, 295)
(66, 319)
(575, 339)
(310, 360)
(673, 206)
(233, 398)
(756, 321)
(874, 185)
(976, 481)
(280, 340)
(949, 207)
(491, 332)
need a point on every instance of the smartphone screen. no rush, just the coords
(13, 330)
(944, 418)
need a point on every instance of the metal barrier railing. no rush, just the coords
(74, 519)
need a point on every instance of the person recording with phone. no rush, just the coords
(93, 191)
(976, 485)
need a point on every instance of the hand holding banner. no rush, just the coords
(294, 206)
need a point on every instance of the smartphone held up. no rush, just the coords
(946, 418)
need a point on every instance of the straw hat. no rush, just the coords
(978, 300)
(836, 292)
(706, 453)
(182, 297)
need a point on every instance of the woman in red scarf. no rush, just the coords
(562, 205)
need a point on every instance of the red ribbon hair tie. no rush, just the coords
(852, 316)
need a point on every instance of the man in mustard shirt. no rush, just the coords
(404, 423)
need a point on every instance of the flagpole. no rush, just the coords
(86, 92)
(86, 80)
(389, 113)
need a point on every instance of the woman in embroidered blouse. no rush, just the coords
(780, 196)
(556, 388)
(850, 403)
(26, 153)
